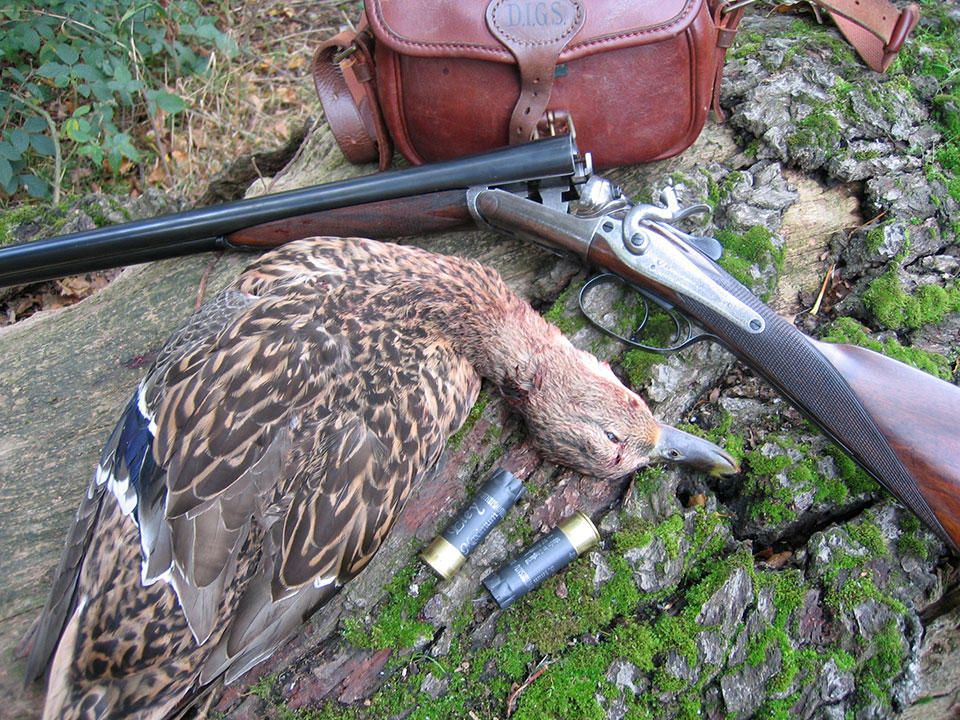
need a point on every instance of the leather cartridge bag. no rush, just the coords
(634, 80)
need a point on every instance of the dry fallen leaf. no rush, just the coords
(697, 501)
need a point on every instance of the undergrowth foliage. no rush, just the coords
(85, 84)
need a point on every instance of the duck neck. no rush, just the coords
(505, 339)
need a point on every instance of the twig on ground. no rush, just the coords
(515, 693)
(202, 289)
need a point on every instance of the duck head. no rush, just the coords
(580, 415)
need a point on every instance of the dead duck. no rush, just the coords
(269, 449)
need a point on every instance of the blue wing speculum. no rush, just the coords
(131, 474)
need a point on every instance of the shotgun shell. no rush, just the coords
(570, 539)
(447, 553)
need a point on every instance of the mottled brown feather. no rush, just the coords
(293, 416)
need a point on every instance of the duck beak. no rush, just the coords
(678, 446)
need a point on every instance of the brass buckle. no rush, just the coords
(553, 121)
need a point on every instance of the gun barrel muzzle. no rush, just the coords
(550, 554)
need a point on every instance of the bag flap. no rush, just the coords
(429, 28)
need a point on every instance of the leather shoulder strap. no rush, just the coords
(876, 28)
(344, 79)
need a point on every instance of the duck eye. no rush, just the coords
(612, 438)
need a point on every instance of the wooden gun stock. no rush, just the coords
(422, 214)
(918, 414)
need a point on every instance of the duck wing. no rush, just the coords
(355, 468)
(260, 465)
(128, 470)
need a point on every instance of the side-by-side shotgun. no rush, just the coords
(900, 424)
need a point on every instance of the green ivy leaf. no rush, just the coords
(102, 91)
(67, 53)
(7, 151)
(39, 92)
(170, 103)
(123, 145)
(6, 175)
(44, 30)
(30, 39)
(52, 69)
(43, 145)
(122, 73)
(93, 152)
(17, 75)
(94, 56)
(87, 72)
(20, 139)
(78, 130)
(35, 124)
(35, 186)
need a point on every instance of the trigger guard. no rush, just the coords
(684, 326)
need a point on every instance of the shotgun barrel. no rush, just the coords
(205, 229)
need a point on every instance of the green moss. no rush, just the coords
(558, 315)
(636, 364)
(894, 308)
(816, 37)
(576, 674)
(932, 51)
(570, 685)
(849, 331)
(398, 624)
(670, 531)
(635, 533)
(649, 479)
(770, 500)
(909, 542)
(875, 238)
(850, 583)
(550, 618)
(857, 480)
(746, 44)
(649, 326)
(720, 434)
(869, 534)
(743, 251)
(819, 128)
(52, 218)
(796, 664)
(877, 672)
(475, 413)
(266, 688)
